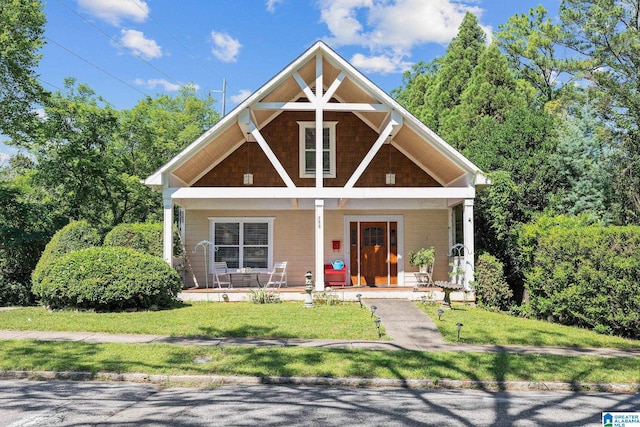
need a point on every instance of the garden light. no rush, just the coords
(373, 310)
(459, 325)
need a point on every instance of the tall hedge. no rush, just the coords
(108, 279)
(588, 276)
(145, 237)
(74, 236)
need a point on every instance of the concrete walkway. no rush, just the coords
(407, 326)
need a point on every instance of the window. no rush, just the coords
(242, 242)
(308, 149)
(458, 226)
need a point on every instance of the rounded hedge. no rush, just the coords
(146, 237)
(72, 237)
(108, 279)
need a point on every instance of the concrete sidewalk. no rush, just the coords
(407, 326)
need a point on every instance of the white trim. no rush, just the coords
(323, 193)
(242, 220)
(319, 247)
(302, 129)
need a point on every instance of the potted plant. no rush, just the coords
(422, 258)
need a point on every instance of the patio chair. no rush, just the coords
(221, 274)
(278, 275)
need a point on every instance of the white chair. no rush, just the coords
(221, 274)
(278, 275)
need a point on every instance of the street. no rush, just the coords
(65, 403)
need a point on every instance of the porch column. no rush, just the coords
(319, 227)
(469, 246)
(167, 240)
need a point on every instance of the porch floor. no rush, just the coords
(347, 293)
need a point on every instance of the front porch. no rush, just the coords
(348, 293)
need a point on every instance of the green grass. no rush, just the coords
(234, 320)
(485, 327)
(296, 361)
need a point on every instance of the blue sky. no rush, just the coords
(126, 49)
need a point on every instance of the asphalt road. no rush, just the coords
(64, 403)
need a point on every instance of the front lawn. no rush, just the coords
(233, 320)
(485, 327)
(313, 362)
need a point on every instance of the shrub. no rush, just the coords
(72, 237)
(588, 277)
(145, 237)
(108, 278)
(492, 290)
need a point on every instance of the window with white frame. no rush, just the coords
(308, 149)
(242, 242)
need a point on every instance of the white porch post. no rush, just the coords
(167, 240)
(319, 226)
(469, 246)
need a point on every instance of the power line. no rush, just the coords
(131, 52)
(96, 66)
(193, 55)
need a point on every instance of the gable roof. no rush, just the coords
(342, 83)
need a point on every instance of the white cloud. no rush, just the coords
(240, 96)
(136, 42)
(382, 64)
(391, 29)
(271, 5)
(165, 85)
(113, 11)
(225, 47)
(4, 157)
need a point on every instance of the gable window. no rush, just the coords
(242, 242)
(308, 149)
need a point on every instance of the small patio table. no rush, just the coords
(246, 278)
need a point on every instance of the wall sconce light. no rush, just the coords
(248, 177)
(390, 179)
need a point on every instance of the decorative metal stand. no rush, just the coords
(204, 245)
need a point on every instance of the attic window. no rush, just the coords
(308, 149)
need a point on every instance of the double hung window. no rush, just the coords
(308, 149)
(242, 242)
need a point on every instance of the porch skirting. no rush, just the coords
(345, 294)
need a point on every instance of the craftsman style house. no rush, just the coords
(320, 164)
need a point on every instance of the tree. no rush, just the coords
(491, 92)
(156, 129)
(584, 165)
(531, 42)
(607, 34)
(455, 70)
(91, 157)
(21, 29)
(431, 90)
(25, 228)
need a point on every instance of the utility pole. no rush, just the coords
(224, 95)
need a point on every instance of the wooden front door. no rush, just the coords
(374, 253)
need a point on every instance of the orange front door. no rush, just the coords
(373, 253)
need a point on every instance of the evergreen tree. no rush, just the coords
(455, 70)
